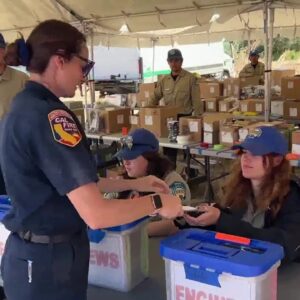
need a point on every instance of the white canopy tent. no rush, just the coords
(144, 23)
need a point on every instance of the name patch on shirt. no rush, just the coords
(64, 128)
(178, 189)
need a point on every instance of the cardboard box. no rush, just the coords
(291, 110)
(277, 75)
(247, 105)
(132, 100)
(250, 81)
(156, 118)
(211, 138)
(259, 105)
(109, 119)
(210, 89)
(134, 121)
(192, 126)
(212, 104)
(226, 105)
(277, 108)
(229, 134)
(146, 90)
(296, 142)
(290, 88)
(211, 122)
(232, 87)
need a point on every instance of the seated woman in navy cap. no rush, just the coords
(141, 157)
(260, 199)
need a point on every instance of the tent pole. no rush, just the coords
(153, 57)
(266, 76)
(269, 67)
(92, 75)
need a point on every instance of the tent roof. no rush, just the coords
(165, 21)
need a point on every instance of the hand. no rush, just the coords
(210, 217)
(150, 184)
(171, 207)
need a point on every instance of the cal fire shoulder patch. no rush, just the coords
(64, 128)
(178, 189)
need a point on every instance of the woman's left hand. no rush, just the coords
(150, 184)
(210, 216)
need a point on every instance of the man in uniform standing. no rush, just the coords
(254, 68)
(180, 88)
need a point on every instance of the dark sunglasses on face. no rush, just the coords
(87, 67)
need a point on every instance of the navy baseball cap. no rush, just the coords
(253, 53)
(138, 142)
(2, 42)
(264, 140)
(174, 54)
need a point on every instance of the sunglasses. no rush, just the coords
(87, 67)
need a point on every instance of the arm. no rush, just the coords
(158, 94)
(98, 212)
(144, 184)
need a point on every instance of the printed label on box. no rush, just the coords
(193, 126)
(293, 112)
(207, 137)
(210, 105)
(296, 148)
(120, 119)
(277, 108)
(134, 120)
(212, 89)
(244, 107)
(259, 107)
(290, 84)
(144, 103)
(147, 94)
(243, 132)
(223, 107)
(226, 137)
(208, 127)
(148, 120)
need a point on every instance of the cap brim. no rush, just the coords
(254, 148)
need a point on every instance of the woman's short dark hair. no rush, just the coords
(47, 39)
(158, 165)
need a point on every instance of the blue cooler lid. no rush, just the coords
(127, 226)
(205, 249)
(97, 235)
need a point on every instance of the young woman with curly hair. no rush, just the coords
(260, 200)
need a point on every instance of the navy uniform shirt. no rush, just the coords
(44, 155)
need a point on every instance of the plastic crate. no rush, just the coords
(202, 264)
(119, 256)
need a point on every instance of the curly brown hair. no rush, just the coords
(273, 189)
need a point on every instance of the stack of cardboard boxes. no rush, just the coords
(290, 92)
(211, 126)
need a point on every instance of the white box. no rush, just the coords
(203, 264)
(120, 260)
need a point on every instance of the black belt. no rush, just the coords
(44, 239)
